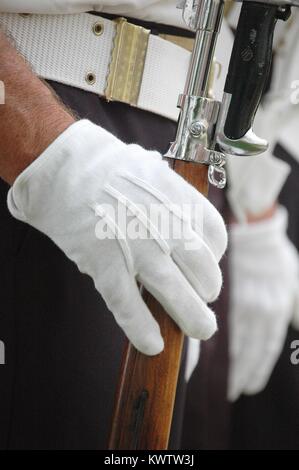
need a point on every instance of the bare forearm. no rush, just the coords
(31, 117)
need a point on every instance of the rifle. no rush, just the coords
(207, 132)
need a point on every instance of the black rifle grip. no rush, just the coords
(249, 65)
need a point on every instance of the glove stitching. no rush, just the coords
(119, 236)
(141, 216)
(191, 277)
(156, 193)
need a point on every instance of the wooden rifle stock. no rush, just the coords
(147, 387)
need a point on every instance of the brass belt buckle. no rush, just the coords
(127, 62)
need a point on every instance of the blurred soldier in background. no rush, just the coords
(263, 316)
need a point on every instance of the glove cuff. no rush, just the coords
(33, 187)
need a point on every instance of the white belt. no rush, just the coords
(117, 60)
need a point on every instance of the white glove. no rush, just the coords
(192, 357)
(265, 281)
(247, 191)
(71, 193)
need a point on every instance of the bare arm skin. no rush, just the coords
(32, 116)
(255, 218)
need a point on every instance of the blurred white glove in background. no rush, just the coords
(264, 273)
(77, 186)
(254, 183)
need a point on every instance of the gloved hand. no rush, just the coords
(72, 193)
(265, 284)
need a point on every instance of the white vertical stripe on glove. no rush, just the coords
(72, 193)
